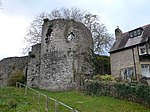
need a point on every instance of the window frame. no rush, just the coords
(128, 73)
(135, 33)
(141, 47)
(143, 66)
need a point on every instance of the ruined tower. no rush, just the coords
(66, 46)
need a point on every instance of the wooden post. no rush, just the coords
(46, 105)
(19, 86)
(38, 102)
(56, 106)
(26, 90)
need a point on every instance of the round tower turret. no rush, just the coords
(64, 46)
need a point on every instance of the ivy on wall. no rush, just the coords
(138, 93)
(16, 76)
(101, 64)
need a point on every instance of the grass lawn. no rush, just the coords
(11, 100)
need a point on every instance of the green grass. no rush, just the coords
(11, 100)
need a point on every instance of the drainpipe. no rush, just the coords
(134, 63)
(147, 48)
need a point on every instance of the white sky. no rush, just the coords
(16, 16)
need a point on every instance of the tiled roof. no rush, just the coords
(125, 41)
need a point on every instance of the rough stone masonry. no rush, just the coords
(65, 45)
(61, 61)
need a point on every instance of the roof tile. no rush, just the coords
(125, 41)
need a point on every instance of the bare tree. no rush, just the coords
(102, 39)
(66, 13)
(34, 31)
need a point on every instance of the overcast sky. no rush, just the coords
(16, 16)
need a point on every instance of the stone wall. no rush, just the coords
(64, 46)
(124, 59)
(34, 66)
(9, 65)
(60, 62)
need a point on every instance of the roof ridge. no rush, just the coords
(126, 42)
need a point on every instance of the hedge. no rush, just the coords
(136, 93)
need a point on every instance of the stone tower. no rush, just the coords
(66, 46)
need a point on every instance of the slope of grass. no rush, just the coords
(12, 100)
(85, 103)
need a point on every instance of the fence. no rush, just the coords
(42, 102)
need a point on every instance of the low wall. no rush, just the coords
(136, 93)
(9, 65)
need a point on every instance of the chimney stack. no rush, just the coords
(118, 33)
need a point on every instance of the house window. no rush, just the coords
(131, 34)
(142, 50)
(139, 32)
(128, 73)
(145, 70)
(135, 33)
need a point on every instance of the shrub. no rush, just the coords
(93, 88)
(118, 79)
(97, 77)
(137, 92)
(16, 76)
(105, 77)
